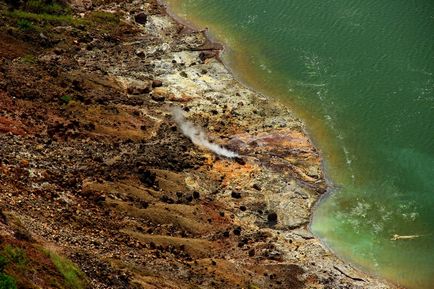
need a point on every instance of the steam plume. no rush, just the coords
(197, 135)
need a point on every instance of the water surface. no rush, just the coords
(360, 73)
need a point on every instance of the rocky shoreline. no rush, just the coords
(94, 167)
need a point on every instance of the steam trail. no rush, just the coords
(197, 135)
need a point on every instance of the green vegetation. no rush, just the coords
(29, 59)
(104, 17)
(74, 278)
(3, 263)
(66, 99)
(42, 7)
(29, 16)
(14, 255)
(24, 24)
(16, 266)
(7, 255)
(42, 12)
(7, 282)
(36, 15)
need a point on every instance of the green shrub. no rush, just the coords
(66, 99)
(24, 24)
(7, 282)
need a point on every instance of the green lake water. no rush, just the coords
(361, 75)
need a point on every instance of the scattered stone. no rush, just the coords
(204, 55)
(147, 177)
(236, 195)
(135, 90)
(77, 85)
(273, 255)
(22, 234)
(143, 205)
(272, 218)
(3, 217)
(158, 97)
(140, 53)
(196, 195)
(141, 18)
(157, 83)
(167, 200)
(89, 126)
(237, 231)
(100, 199)
(58, 51)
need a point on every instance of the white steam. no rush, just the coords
(197, 135)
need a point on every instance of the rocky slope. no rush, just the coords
(93, 166)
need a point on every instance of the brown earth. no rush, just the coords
(93, 167)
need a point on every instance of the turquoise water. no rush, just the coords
(360, 73)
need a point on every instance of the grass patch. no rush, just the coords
(29, 16)
(40, 7)
(73, 276)
(32, 11)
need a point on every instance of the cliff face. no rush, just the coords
(94, 167)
